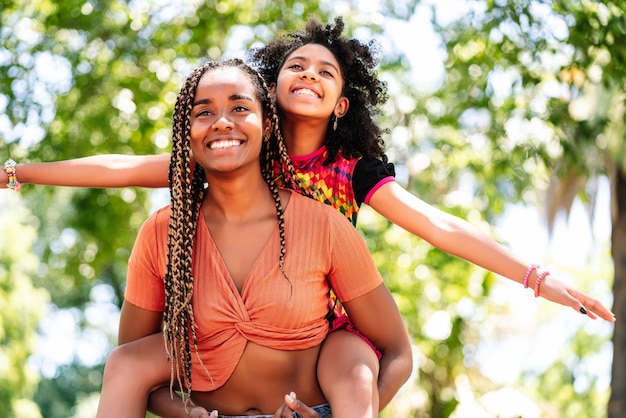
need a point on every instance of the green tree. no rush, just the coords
(532, 103)
(117, 68)
(21, 307)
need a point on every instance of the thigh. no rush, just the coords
(347, 373)
(145, 360)
(132, 371)
(343, 347)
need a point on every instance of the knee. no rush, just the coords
(356, 379)
(358, 383)
(120, 364)
(362, 375)
(347, 357)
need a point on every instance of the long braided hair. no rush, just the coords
(187, 191)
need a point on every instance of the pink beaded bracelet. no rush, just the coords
(527, 275)
(540, 278)
(9, 167)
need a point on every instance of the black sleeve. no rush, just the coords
(368, 172)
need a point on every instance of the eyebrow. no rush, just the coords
(231, 97)
(330, 64)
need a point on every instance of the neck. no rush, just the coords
(236, 198)
(303, 136)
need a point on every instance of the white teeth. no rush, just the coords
(225, 144)
(306, 92)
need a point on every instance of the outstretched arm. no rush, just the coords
(107, 170)
(458, 237)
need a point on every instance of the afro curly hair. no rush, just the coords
(357, 134)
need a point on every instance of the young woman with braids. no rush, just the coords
(328, 94)
(237, 274)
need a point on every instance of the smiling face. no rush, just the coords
(310, 84)
(227, 122)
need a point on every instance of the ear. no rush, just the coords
(342, 106)
(267, 127)
(272, 90)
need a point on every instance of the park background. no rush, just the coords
(507, 114)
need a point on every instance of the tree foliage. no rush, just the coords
(21, 307)
(531, 110)
(532, 103)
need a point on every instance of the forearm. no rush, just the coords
(447, 232)
(462, 239)
(163, 404)
(110, 170)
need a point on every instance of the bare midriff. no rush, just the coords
(261, 380)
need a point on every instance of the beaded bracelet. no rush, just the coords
(9, 167)
(540, 278)
(527, 275)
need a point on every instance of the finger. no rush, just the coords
(575, 303)
(590, 306)
(298, 406)
(199, 412)
(597, 308)
(585, 311)
(283, 412)
(556, 291)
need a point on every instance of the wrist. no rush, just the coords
(533, 278)
(540, 278)
(9, 170)
(532, 268)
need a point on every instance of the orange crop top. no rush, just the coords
(323, 249)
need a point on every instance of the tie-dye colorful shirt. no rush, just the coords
(343, 184)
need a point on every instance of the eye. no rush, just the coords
(326, 72)
(240, 108)
(295, 67)
(202, 112)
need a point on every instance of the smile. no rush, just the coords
(226, 143)
(306, 92)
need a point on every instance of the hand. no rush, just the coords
(200, 412)
(559, 292)
(291, 405)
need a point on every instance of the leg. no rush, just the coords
(132, 371)
(347, 371)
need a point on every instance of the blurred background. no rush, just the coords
(507, 114)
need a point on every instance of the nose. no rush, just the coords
(308, 75)
(221, 123)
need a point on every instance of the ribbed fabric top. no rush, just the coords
(323, 251)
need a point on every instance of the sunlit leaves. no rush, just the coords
(21, 308)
